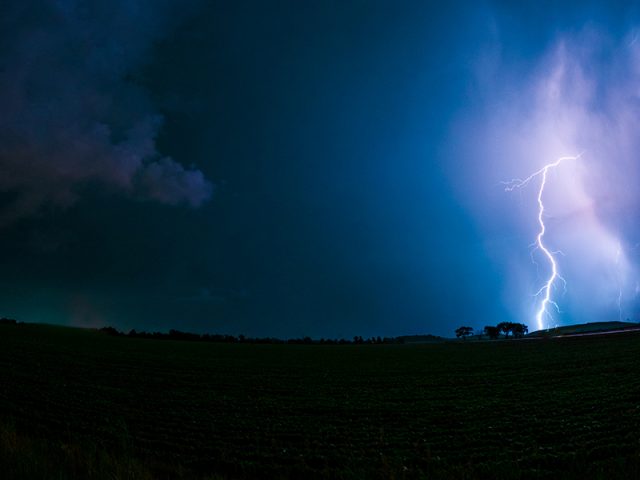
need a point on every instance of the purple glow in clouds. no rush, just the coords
(581, 94)
(72, 117)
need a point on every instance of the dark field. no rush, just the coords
(81, 404)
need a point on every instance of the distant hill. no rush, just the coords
(593, 327)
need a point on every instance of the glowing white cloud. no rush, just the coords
(582, 95)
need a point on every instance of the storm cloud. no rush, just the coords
(359, 152)
(73, 116)
(578, 95)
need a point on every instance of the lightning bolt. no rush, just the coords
(545, 290)
(618, 253)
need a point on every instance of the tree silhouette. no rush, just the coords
(464, 332)
(519, 329)
(506, 328)
(492, 332)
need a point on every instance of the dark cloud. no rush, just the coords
(167, 181)
(71, 114)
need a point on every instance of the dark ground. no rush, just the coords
(81, 404)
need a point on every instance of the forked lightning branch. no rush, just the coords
(545, 292)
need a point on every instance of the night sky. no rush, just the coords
(327, 168)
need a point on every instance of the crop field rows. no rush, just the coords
(505, 409)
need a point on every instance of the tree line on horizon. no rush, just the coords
(517, 330)
(219, 338)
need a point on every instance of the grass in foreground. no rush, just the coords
(85, 405)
